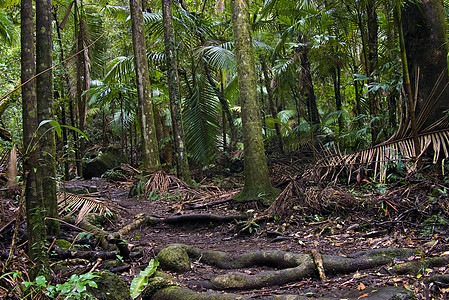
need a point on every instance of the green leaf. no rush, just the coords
(139, 282)
(41, 281)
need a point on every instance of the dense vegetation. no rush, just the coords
(186, 86)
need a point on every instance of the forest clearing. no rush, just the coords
(174, 149)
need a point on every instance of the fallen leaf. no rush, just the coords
(363, 296)
(361, 287)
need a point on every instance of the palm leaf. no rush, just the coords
(8, 33)
(71, 204)
(200, 121)
(379, 157)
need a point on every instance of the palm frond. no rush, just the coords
(71, 205)
(200, 122)
(8, 33)
(220, 58)
(120, 13)
(120, 69)
(381, 157)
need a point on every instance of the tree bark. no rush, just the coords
(372, 45)
(267, 82)
(35, 220)
(426, 46)
(182, 164)
(257, 183)
(150, 148)
(44, 92)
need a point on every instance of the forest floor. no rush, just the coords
(370, 225)
(376, 216)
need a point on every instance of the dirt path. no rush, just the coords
(336, 236)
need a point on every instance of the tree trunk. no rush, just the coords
(426, 46)
(44, 92)
(372, 44)
(35, 220)
(257, 183)
(273, 112)
(174, 94)
(150, 145)
(306, 85)
(337, 93)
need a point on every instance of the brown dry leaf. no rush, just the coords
(361, 287)
(363, 296)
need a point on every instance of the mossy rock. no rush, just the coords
(100, 163)
(63, 244)
(174, 258)
(110, 287)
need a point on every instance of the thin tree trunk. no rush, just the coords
(337, 93)
(273, 113)
(150, 145)
(373, 99)
(35, 220)
(44, 92)
(174, 93)
(257, 183)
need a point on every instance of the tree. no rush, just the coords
(34, 206)
(44, 92)
(426, 45)
(150, 150)
(257, 183)
(174, 94)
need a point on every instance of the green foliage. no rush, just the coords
(74, 288)
(139, 282)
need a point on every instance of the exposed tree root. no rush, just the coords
(176, 293)
(293, 266)
(414, 267)
(64, 253)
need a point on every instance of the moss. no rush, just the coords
(174, 258)
(110, 287)
(229, 281)
(264, 194)
(63, 244)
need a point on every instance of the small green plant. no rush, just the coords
(74, 288)
(250, 226)
(139, 282)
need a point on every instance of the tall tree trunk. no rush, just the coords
(34, 207)
(44, 92)
(174, 94)
(150, 145)
(306, 85)
(426, 45)
(267, 82)
(372, 45)
(257, 183)
(337, 93)
(76, 115)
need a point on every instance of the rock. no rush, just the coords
(78, 190)
(174, 258)
(110, 287)
(100, 162)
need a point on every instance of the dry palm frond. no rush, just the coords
(161, 182)
(379, 157)
(12, 168)
(71, 204)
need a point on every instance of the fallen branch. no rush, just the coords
(414, 266)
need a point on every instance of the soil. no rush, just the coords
(342, 221)
(332, 234)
